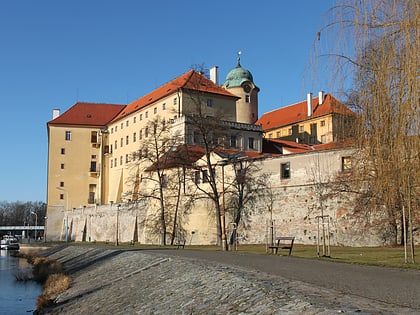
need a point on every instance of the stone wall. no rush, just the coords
(298, 203)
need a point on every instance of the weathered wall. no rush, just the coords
(298, 202)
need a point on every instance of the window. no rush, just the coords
(121, 142)
(163, 124)
(301, 128)
(346, 164)
(134, 119)
(322, 123)
(61, 184)
(68, 135)
(92, 166)
(94, 137)
(209, 102)
(146, 132)
(197, 177)
(115, 144)
(112, 163)
(164, 181)
(278, 134)
(122, 125)
(121, 160)
(61, 196)
(146, 115)
(163, 106)
(116, 128)
(126, 140)
(205, 176)
(175, 101)
(323, 139)
(127, 159)
(233, 141)
(270, 136)
(126, 123)
(285, 170)
(290, 131)
(251, 143)
(141, 116)
(247, 99)
(155, 110)
(115, 162)
(92, 189)
(112, 130)
(196, 137)
(141, 134)
(63, 151)
(134, 137)
(62, 166)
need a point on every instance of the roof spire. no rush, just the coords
(239, 58)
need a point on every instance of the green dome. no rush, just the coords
(237, 76)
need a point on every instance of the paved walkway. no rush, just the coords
(121, 281)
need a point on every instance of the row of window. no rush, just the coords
(146, 115)
(233, 141)
(290, 130)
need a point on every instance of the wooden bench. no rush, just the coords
(180, 244)
(283, 242)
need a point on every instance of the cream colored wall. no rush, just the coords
(75, 175)
(246, 112)
(120, 176)
(222, 107)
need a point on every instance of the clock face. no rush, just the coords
(247, 88)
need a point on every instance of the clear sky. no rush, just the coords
(55, 53)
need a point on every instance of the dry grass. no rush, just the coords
(55, 284)
(50, 274)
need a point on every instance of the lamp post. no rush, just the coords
(116, 236)
(67, 208)
(36, 222)
(222, 163)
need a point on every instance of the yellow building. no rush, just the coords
(91, 146)
(317, 120)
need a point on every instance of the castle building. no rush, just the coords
(91, 146)
(318, 120)
(94, 150)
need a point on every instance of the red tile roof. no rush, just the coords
(298, 112)
(277, 145)
(191, 80)
(91, 114)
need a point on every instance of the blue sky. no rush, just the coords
(55, 53)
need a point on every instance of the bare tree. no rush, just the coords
(207, 130)
(245, 188)
(150, 179)
(385, 42)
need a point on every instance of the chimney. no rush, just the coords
(309, 102)
(214, 74)
(321, 96)
(56, 113)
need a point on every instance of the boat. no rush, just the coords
(9, 242)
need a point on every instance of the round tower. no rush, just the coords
(239, 81)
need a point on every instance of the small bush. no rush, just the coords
(54, 285)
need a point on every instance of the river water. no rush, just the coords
(16, 297)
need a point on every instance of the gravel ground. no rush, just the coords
(120, 281)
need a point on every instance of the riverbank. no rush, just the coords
(134, 281)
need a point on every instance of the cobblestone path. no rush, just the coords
(114, 281)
